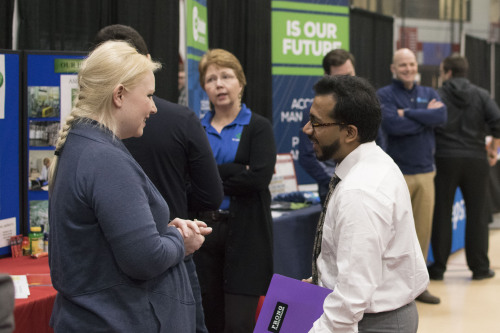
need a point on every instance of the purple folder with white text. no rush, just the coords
(290, 306)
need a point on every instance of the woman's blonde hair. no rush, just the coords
(221, 58)
(112, 63)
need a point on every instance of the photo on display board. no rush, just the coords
(39, 214)
(43, 102)
(69, 94)
(39, 163)
(43, 133)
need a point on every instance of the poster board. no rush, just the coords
(303, 31)
(10, 177)
(284, 179)
(50, 89)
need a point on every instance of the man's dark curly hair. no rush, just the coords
(356, 103)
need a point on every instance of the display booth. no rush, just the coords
(302, 33)
(10, 122)
(50, 89)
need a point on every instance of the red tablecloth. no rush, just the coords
(32, 314)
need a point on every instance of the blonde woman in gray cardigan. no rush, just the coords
(115, 261)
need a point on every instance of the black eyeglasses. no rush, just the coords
(314, 124)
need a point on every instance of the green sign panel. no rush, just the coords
(197, 32)
(302, 33)
(67, 65)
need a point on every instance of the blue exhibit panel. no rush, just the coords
(197, 97)
(458, 220)
(41, 69)
(9, 145)
(292, 95)
(42, 101)
(297, 67)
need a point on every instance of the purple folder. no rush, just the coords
(290, 306)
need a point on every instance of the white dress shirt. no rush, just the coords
(370, 256)
(44, 175)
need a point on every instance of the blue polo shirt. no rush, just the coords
(225, 144)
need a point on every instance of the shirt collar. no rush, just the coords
(353, 158)
(243, 117)
(93, 130)
(401, 85)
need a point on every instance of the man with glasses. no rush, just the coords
(335, 62)
(366, 249)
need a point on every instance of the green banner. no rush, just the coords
(303, 32)
(305, 71)
(196, 20)
(67, 65)
(303, 38)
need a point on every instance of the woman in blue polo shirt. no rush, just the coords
(235, 264)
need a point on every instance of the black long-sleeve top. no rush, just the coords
(175, 154)
(472, 114)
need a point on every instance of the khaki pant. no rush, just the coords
(421, 187)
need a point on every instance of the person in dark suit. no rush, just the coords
(175, 154)
(236, 264)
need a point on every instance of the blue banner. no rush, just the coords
(10, 196)
(302, 33)
(458, 220)
(197, 45)
(49, 96)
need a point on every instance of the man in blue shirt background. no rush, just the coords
(410, 113)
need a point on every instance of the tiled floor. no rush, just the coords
(466, 305)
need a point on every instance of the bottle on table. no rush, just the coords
(36, 240)
(26, 246)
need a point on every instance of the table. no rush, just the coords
(32, 314)
(294, 233)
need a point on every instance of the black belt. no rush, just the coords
(213, 215)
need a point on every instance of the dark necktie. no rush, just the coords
(319, 230)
